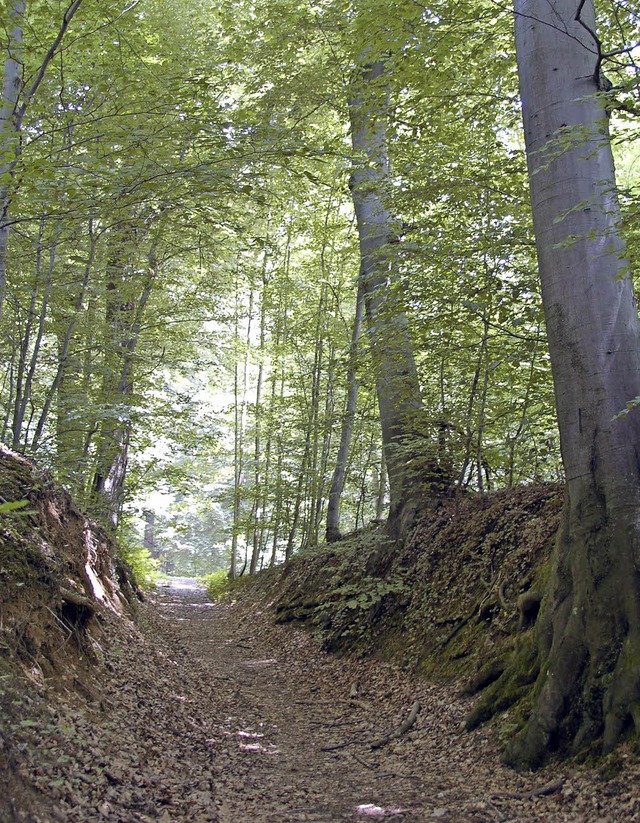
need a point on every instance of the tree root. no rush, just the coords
(553, 787)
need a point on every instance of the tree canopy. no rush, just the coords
(182, 259)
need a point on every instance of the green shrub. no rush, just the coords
(143, 567)
(219, 586)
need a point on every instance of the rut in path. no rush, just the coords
(283, 732)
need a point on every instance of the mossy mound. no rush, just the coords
(448, 602)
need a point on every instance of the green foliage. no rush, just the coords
(183, 228)
(365, 594)
(144, 569)
(217, 584)
(14, 507)
(220, 586)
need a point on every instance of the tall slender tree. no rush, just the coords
(402, 414)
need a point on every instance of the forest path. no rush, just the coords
(230, 718)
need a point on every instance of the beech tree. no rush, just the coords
(586, 649)
(397, 385)
(198, 157)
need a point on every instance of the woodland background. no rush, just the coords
(179, 258)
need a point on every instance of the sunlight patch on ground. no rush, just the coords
(370, 810)
(256, 664)
(258, 747)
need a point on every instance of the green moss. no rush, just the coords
(511, 688)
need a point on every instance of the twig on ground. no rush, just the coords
(335, 746)
(334, 724)
(399, 730)
(362, 761)
(549, 788)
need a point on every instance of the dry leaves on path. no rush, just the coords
(213, 713)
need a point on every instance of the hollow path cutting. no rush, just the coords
(230, 718)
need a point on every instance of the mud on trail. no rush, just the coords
(210, 712)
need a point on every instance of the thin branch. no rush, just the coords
(399, 730)
(28, 97)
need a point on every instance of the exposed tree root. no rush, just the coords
(404, 727)
(580, 666)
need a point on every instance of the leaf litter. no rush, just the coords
(213, 713)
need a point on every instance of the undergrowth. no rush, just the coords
(143, 568)
(220, 586)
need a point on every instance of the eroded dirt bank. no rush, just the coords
(212, 713)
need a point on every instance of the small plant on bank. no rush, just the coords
(144, 568)
(217, 584)
(220, 586)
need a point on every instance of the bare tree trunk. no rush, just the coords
(123, 322)
(258, 479)
(381, 496)
(30, 352)
(66, 341)
(346, 433)
(9, 133)
(402, 415)
(586, 647)
(240, 406)
(13, 112)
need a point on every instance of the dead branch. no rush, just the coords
(362, 761)
(335, 746)
(334, 725)
(549, 788)
(399, 730)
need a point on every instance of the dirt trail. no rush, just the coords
(212, 713)
(278, 712)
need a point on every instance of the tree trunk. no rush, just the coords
(126, 302)
(257, 512)
(402, 415)
(12, 81)
(240, 408)
(12, 114)
(587, 640)
(65, 342)
(340, 471)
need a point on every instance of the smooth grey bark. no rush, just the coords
(257, 509)
(9, 131)
(402, 415)
(587, 640)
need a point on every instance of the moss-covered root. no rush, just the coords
(587, 712)
(511, 687)
(622, 699)
(584, 653)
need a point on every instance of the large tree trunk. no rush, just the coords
(126, 302)
(587, 641)
(402, 415)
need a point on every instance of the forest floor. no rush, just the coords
(211, 712)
